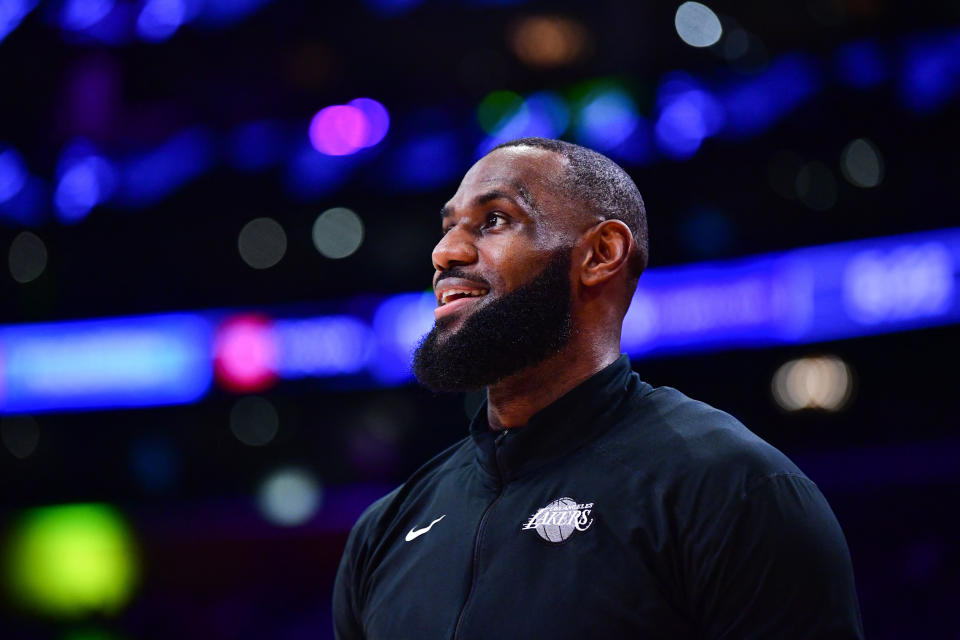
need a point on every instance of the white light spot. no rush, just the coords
(20, 435)
(254, 421)
(862, 164)
(337, 233)
(289, 497)
(262, 243)
(824, 382)
(697, 25)
(27, 258)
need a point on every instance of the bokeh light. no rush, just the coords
(697, 24)
(862, 164)
(914, 280)
(343, 129)
(289, 497)
(607, 116)
(20, 435)
(84, 182)
(861, 64)
(337, 233)
(824, 382)
(254, 421)
(378, 119)
(13, 174)
(497, 108)
(160, 19)
(426, 161)
(27, 258)
(71, 560)
(688, 115)
(77, 15)
(262, 243)
(246, 353)
(548, 41)
(258, 145)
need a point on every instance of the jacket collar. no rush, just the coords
(572, 420)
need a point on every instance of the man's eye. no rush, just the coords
(494, 220)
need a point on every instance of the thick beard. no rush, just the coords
(507, 335)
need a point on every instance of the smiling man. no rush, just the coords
(584, 503)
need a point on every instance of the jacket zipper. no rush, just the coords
(476, 542)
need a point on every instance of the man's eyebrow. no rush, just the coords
(522, 195)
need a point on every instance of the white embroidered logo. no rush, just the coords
(558, 520)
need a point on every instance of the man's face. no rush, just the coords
(502, 273)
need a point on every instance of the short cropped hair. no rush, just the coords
(602, 186)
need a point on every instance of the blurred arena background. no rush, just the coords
(216, 219)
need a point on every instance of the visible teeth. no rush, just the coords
(473, 293)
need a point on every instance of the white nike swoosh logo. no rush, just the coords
(416, 533)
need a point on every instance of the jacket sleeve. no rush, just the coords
(346, 622)
(775, 565)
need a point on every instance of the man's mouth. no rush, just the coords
(452, 295)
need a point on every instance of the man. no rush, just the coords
(584, 503)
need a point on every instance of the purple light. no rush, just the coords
(339, 130)
(378, 119)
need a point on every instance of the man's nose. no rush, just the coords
(456, 248)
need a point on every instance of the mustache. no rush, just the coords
(457, 272)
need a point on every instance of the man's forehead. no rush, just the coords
(528, 173)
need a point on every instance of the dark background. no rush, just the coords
(211, 567)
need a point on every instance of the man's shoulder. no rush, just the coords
(671, 436)
(384, 510)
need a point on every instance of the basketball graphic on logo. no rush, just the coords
(559, 532)
(557, 521)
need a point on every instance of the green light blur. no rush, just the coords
(71, 560)
(496, 108)
(89, 634)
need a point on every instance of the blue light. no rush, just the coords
(12, 13)
(688, 115)
(388, 8)
(160, 19)
(13, 174)
(399, 323)
(861, 64)
(606, 119)
(752, 105)
(931, 72)
(29, 205)
(378, 119)
(803, 296)
(78, 15)
(312, 174)
(98, 364)
(426, 162)
(796, 297)
(84, 183)
(258, 145)
(323, 347)
(148, 178)
(544, 114)
(226, 12)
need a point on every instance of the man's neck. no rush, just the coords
(514, 400)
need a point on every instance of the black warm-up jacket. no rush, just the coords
(619, 511)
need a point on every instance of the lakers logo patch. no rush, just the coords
(560, 519)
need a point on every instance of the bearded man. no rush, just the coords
(584, 503)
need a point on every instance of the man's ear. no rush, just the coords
(609, 245)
